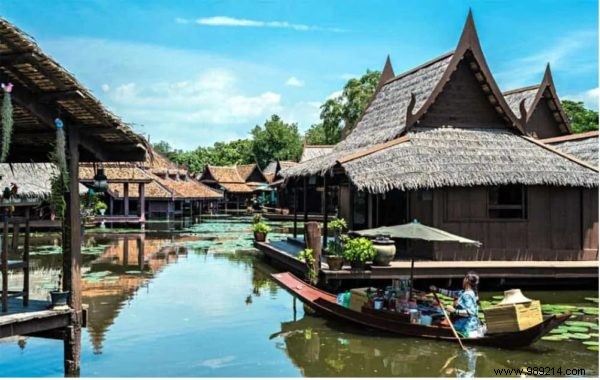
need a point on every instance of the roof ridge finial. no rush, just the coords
(469, 32)
(547, 74)
(387, 73)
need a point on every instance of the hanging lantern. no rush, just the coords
(100, 181)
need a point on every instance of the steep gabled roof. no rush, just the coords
(525, 101)
(251, 171)
(221, 174)
(401, 102)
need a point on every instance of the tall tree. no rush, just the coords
(582, 119)
(343, 110)
(276, 140)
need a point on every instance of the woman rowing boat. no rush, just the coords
(465, 309)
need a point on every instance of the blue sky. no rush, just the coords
(196, 72)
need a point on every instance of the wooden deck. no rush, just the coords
(32, 320)
(284, 253)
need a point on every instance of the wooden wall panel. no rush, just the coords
(589, 220)
(542, 122)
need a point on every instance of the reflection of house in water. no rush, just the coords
(114, 277)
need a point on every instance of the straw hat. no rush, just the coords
(513, 296)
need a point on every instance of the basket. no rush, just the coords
(513, 317)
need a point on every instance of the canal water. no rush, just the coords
(198, 301)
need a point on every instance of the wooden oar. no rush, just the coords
(449, 321)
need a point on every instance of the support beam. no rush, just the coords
(142, 204)
(295, 211)
(305, 198)
(325, 210)
(126, 198)
(72, 259)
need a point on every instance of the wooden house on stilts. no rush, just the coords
(441, 144)
(43, 92)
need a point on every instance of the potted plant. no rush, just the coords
(100, 207)
(307, 256)
(358, 251)
(335, 248)
(260, 230)
(58, 297)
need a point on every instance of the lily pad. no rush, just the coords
(579, 336)
(590, 342)
(555, 338)
(559, 330)
(581, 323)
(592, 348)
(577, 329)
(590, 310)
(592, 299)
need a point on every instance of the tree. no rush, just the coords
(343, 110)
(276, 140)
(315, 135)
(220, 154)
(162, 147)
(582, 119)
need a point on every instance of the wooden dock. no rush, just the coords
(34, 320)
(283, 253)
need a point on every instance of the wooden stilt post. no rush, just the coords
(142, 204)
(305, 199)
(126, 199)
(111, 205)
(295, 212)
(141, 247)
(26, 258)
(72, 259)
(125, 251)
(312, 237)
(325, 210)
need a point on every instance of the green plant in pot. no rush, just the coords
(58, 297)
(260, 230)
(335, 248)
(307, 256)
(100, 207)
(358, 251)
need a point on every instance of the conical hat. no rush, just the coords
(513, 296)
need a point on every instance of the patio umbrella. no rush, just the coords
(417, 231)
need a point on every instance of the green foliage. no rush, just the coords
(220, 154)
(260, 227)
(276, 140)
(343, 110)
(256, 218)
(337, 225)
(57, 199)
(359, 249)
(100, 205)
(582, 119)
(307, 256)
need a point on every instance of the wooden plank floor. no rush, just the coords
(36, 317)
(285, 253)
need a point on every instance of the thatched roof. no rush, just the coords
(525, 101)
(401, 102)
(115, 173)
(312, 151)
(432, 158)
(33, 180)
(227, 177)
(272, 171)
(44, 90)
(188, 188)
(581, 145)
(152, 190)
(524, 94)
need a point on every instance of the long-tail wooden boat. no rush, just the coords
(326, 304)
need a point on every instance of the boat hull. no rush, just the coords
(326, 304)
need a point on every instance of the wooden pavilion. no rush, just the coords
(439, 143)
(239, 183)
(44, 91)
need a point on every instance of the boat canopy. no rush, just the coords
(416, 230)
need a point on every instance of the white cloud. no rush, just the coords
(562, 54)
(105, 87)
(334, 95)
(589, 97)
(247, 23)
(348, 76)
(294, 82)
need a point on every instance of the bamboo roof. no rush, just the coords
(439, 157)
(44, 90)
(584, 146)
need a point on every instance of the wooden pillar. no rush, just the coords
(351, 208)
(126, 198)
(125, 251)
(295, 212)
(26, 258)
(111, 205)
(326, 210)
(142, 201)
(305, 198)
(72, 259)
(369, 210)
(312, 236)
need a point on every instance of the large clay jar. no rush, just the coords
(386, 250)
(335, 262)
